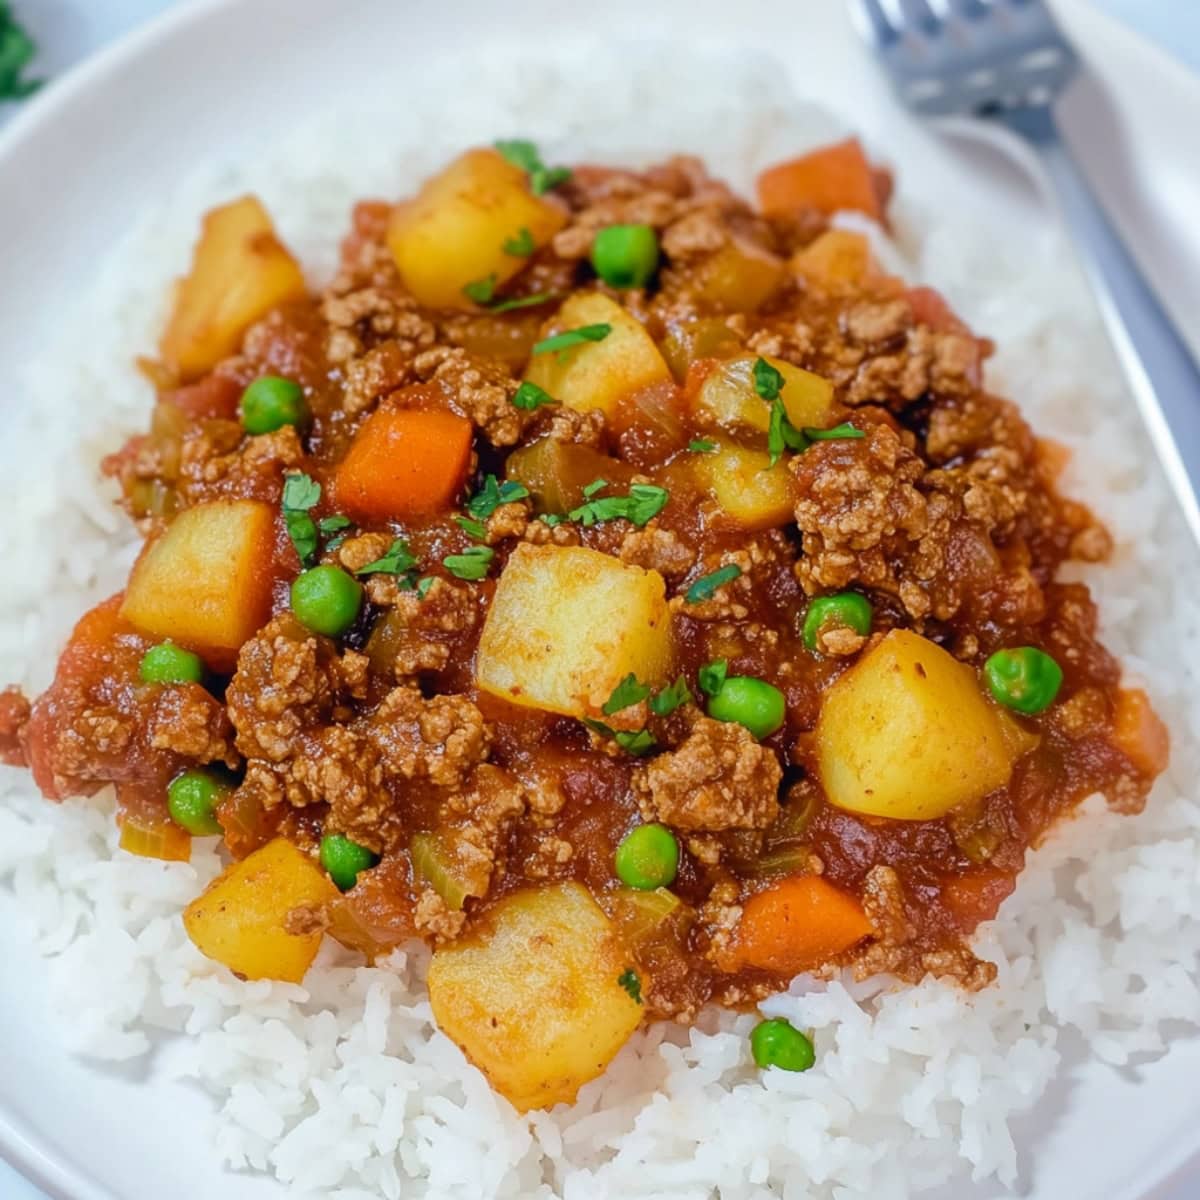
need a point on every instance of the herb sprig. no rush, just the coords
(524, 154)
(16, 51)
(560, 343)
(645, 500)
(705, 587)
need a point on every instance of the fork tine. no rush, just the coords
(873, 23)
(920, 16)
(962, 10)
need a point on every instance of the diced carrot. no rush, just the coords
(977, 896)
(829, 179)
(799, 923)
(1139, 733)
(404, 463)
(214, 397)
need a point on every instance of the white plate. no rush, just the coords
(213, 77)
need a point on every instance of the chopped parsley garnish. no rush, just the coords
(674, 696)
(712, 675)
(597, 485)
(423, 586)
(524, 154)
(16, 51)
(704, 587)
(782, 434)
(629, 980)
(562, 342)
(471, 526)
(397, 561)
(633, 741)
(472, 563)
(702, 446)
(481, 291)
(300, 493)
(493, 494)
(645, 500)
(844, 430)
(521, 302)
(521, 246)
(529, 396)
(627, 693)
(552, 519)
(334, 523)
(768, 382)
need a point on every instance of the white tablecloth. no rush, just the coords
(69, 30)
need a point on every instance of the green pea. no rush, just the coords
(647, 858)
(168, 663)
(847, 609)
(1024, 678)
(751, 702)
(777, 1043)
(270, 403)
(192, 800)
(344, 859)
(625, 256)
(326, 600)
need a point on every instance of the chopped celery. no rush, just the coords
(435, 864)
(640, 915)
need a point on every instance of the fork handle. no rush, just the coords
(1157, 362)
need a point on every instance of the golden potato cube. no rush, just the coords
(752, 494)
(907, 733)
(240, 919)
(453, 232)
(240, 272)
(597, 374)
(741, 276)
(838, 257)
(532, 998)
(567, 624)
(728, 399)
(206, 582)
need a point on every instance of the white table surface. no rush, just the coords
(69, 30)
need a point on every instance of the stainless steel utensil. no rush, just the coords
(1008, 61)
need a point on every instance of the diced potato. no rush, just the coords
(240, 271)
(206, 582)
(728, 400)
(567, 624)
(701, 337)
(751, 493)
(907, 733)
(240, 919)
(452, 233)
(533, 999)
(597, 374)
(838, 257)
(741, 276)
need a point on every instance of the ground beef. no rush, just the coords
(421, 632)
(188, 721)
(218, 463)
(477, 820)
(569, 425)
(435, 919)
(658, 550)
(440, 739)
(14, 716)
(508, 521)
(719, 778)
(480, 390)
(287, 682)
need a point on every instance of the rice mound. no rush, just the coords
(344, 1086)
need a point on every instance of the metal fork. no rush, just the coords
(1007, 60)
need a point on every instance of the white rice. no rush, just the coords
(343, 1086)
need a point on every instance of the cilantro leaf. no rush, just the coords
(645, 500)
(768, 382)
(674, 696)
(702, 446)
(521, 246)
(492, 495)
(334, 523)
(472, 563)
(398, 560)
(300, 493)
(481, 291)
(782, 434)
(712, 675)
(472, 527)
(634, 741)
(844, 430)
(552, 519)
(562, 342)
(524, 154)
(529, 396)
(704, 587)
(16, 51)
(521, 302)
(627, 693)
(597, 485)
(629, 980)
(423, 586)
